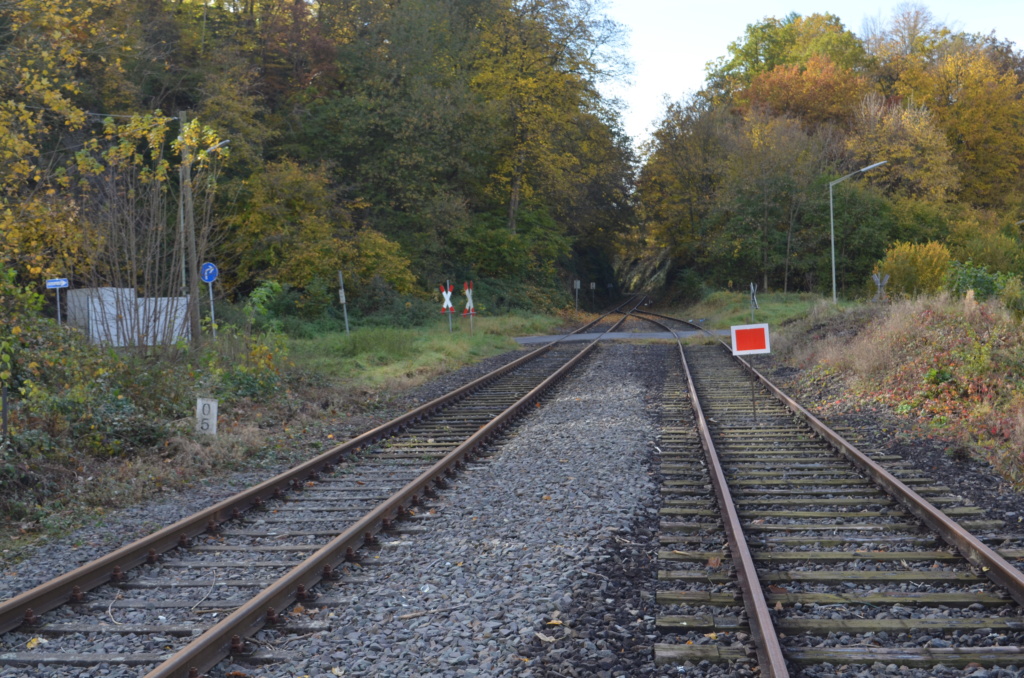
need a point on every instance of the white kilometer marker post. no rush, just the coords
(206, 416)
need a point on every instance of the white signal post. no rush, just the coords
(341, 298)
(467, 289)
(447, 307)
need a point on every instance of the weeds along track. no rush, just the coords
(854, 567)
(177, 602)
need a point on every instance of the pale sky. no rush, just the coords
(670, 41)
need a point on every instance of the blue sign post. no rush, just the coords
(56, 284)
(208, 273)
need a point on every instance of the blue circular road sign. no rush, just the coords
(208, 272)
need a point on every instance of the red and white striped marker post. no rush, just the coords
(467, 289)
(447, 307)
(751, 340)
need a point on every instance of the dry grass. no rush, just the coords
(951, 366)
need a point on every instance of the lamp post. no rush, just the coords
(832, 219)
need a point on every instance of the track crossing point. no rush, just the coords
(750, 339)
(446, 292)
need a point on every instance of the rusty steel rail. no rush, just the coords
(225, 637)
(762, 627)
(58, 591)
(995, 567)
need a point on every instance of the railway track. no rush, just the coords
(177, 602)
(852, 565)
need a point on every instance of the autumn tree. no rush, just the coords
(292, 230)
(817, 91)
(538, 66)
(48, 47)
(919, 163)
(678, 183)
(980, 110)
(772, 42)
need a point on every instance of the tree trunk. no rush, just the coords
(188, 220)
(513, 201)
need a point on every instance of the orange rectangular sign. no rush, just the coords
(750, 339)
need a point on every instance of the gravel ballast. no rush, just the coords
(529, 566)
(514, 546)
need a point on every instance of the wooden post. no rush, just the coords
(3, 408)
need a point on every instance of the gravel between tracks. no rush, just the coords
(540, 532)
(556, 526)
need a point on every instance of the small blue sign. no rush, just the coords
(56, 283)
(208, 272)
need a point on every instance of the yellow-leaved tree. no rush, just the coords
(914, 269)
(292, 230)
(46, 46)
(980, 109)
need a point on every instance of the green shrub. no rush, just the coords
(687, 288)
(968, 276)
(381, 305)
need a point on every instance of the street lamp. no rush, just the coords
(832, 219)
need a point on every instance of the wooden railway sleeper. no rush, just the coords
(195, 657)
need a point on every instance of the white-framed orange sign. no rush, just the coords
(750, 339)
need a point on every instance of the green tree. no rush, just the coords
(771, 43)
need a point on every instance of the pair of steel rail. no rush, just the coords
(769, 651)
(226, 636)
